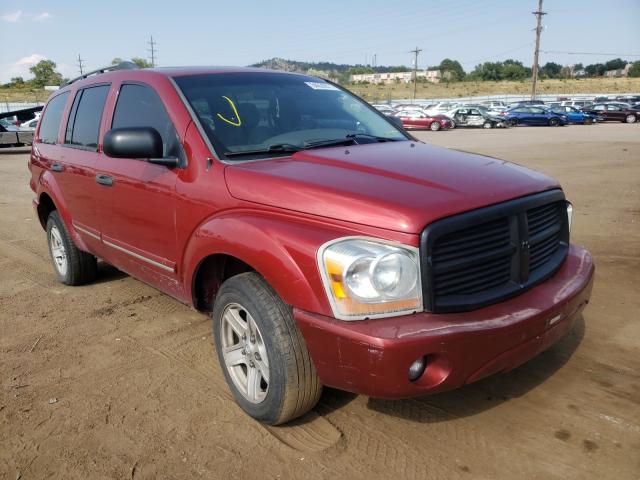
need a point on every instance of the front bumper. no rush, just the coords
(372, 357)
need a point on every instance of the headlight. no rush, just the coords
(569, 214)
(370, 278)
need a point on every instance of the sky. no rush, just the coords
(209, 32)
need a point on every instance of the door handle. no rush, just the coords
(56, 167)
(104, 180)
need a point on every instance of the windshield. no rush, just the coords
(254, 112)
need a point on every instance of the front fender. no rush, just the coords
(281, 249)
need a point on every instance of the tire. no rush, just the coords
(515, 122)
(256, 336)
(630, 119)
(71, 265)
(435, 126)
(588, 121)
(487, 125)
(554, 122)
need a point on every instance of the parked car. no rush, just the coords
(475, 117)
(630, 99)
(577, 103)
(29, 125)
(419, 120)
(525, 103)
(440, 108)
(493, 103)
(385, 109)
(614, 112)
(534, 116)
(575, 115)
(328, 246)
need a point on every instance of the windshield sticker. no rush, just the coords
(235, 119)
(321, 86)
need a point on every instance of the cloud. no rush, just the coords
(41, 17)
(19, 68)
(13, 17)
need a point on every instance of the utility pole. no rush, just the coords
(152, 51)
(415, 69)
(80, 65)
(534, 69)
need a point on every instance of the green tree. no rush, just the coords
(578, 66)
(141, 62)
(514, 70)
(634, 71)
(17, 82)
(456, 72)
(116, 61)
(595, 70)
(615, 64)
(551, 70)
(44, 73)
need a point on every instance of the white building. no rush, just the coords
(433, 76)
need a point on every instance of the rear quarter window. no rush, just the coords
(51, 118)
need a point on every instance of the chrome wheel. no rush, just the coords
(631, 119)
(244, 353)
(435, 126)
(58, 252)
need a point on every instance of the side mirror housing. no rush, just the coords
(133, 142)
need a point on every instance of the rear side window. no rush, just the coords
(51, 119)
(83, 126)
(140, 106)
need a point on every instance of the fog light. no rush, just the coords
(417, 368)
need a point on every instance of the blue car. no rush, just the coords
(575, 115)
(534, 116)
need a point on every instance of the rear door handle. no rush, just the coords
(104, 180)
(56, 167)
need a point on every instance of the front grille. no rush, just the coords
(486, 255)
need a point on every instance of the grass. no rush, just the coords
(23, 95)
(377, 93)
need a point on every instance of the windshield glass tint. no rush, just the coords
(254, 111)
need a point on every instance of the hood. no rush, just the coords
(399, 186)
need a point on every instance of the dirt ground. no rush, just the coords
(115, 380)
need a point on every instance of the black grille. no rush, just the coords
(483, 256)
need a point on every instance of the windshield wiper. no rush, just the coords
(368, 135)
(277, 148)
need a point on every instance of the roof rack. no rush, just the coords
(110, 68)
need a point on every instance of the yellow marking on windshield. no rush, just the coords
(235, 112)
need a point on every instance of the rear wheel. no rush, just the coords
(554, 122)
(435, 126)
(262, 353)
(588, 121)
(514, 122)
(630, 119)
(72, 266)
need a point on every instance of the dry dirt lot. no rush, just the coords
(115, 380)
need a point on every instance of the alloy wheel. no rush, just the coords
(58, 252)
(245, 353)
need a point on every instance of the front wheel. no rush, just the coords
(487, 125)
(72, 265)
(262, 353)
(554, 122)
(588, 121)
(630, 119)
(435, 126)
(514, 122)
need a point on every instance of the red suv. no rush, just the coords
(330, 247)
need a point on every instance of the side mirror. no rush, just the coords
(136, 142)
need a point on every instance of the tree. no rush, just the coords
(17, 82)
(595, 70)
(514, 70)
(44, 73)
(456, 72)
(551, 70)
(578, 66)
(634, 71)
(615, 64)
(141, 62)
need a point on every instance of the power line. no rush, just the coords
(415, 69)
(152, 50)
(593, 53)
(80, 66)
(538, 13)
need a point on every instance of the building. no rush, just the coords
(433, 76)
(620, 72)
